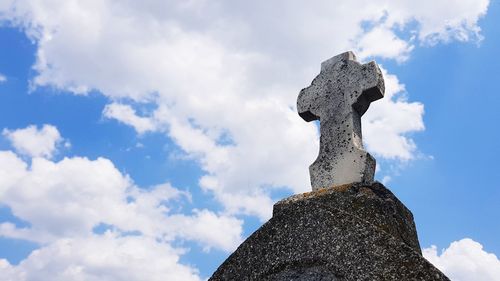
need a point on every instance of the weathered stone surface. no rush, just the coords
(350, 232)
(338, 97)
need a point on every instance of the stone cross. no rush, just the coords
(338, 97)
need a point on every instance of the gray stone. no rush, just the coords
(349, 232)
(338, 97)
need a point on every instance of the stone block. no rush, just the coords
(349, 232)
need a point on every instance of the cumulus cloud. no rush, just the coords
(390, 120)
(126, 114)
(60, 199)
(107, 257)
(222, 232)
(34, 142)
(64, 202)
(383, 42)
(465, 260)
(445, 21)
(224, 77)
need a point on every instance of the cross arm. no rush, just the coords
(306, 104)
(372, 85)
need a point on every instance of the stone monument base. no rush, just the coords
(349, 232)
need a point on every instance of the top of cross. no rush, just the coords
(341, 75)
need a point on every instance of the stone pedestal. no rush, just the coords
(350, 232)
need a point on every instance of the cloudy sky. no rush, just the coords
(145, 140)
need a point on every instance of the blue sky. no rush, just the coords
(157, 136)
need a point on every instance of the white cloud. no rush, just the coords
(386, 179)
(63, 202)
(107, 257)
(442, 21)
(382, 42)
(465, 260)
(2, 78)
(206, 227)
(60, 199)
(127, 115)
(34, 142)
(224, 76)
(390, 120)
